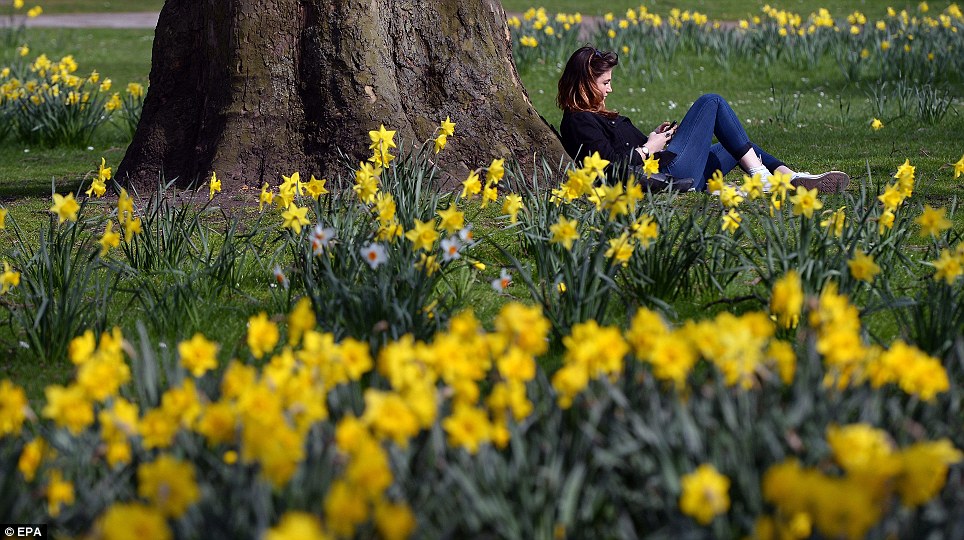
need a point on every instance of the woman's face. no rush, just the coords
(603, 84)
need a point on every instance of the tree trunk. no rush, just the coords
(253, 89)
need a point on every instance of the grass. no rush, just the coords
(98, 6)
(832, 115)
(122, 55)
(715, 9)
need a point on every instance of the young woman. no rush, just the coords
(684, 151)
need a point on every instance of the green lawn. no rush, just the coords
(98, 6)
(716, 9)
(123, 56)
(830, 130)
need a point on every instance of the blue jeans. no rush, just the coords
(691, 153)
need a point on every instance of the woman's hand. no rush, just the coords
(657, 141)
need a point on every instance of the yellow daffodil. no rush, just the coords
(863, 450)
(948, 267)
(295, 218)
(933, 221)
(753, 186)
(344, 510)
(925, 467)
(447, 127)
(511, 207)
(886, 221)
(471, 185)
(731, 221)
(3, 218)
(467, 427)
(863, 267)
(634, 192)
(66, 208)
(579, 183)
(99, 185)
(440, 142)
(805, 202)
(382, 141)
(781, 183)
(316, 188)
(452, 219)
(389, 231)
(385, 207)
(297, 525)
(428, 264)
(68, 407)
(263, 335)
(836, 222)
(168, 483)
(60, 493)
(730, 197)
(620, 249)
(787, 299)
(495, 171)
(122, 518)
(564, 232)
(110, 239)
(265, 198)
(423, 235)
(135, 90)
(705, 494)
(13, 408)
(905, 171)
(891, 197)
(645, 230)
(366, 182)
(489, 194)
(215, 186)
(876, 125)
(394, 521)
(31, 456)
(382, 138)
(959, 167)
(715, 183)
(595, 164)
(198, 355)
(131, 227)
(651, 165)
(125, 206)
(292, 184)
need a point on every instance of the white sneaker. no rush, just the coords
(829, 182)
(765, 177)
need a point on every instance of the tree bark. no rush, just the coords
(253, 89)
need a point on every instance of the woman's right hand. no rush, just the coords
(657, 141)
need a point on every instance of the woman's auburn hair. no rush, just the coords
(577, 89)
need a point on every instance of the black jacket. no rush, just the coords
(615, 139)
